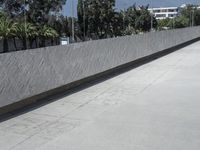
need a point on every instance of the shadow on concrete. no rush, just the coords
(61, 92)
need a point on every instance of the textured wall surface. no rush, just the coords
(27, 73)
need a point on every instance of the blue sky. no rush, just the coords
(120, 4)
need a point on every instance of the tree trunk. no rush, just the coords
(52, 43)
(42, 42)
(36, 43)
(15, 44)
(56, 41)
(31, 40)
(5, 45)
(24, 44)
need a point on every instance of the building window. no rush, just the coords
(172, 10)
(160, 15)
(164, 10)
(156, 11)
(172, 15)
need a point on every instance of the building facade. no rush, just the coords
(164, 12)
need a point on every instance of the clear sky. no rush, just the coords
(120, 4)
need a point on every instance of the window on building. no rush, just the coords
(164, 10)
(172, 15)
(160, 15)
(172, 10)
(156, 11)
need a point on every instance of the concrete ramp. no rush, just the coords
(153, 107)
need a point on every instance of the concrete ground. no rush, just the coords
(153, 107)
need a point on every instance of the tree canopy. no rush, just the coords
(35, 21)
(30, 20)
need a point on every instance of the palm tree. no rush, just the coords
(2, 14)
(32, 35)
(26, 31)
(47, 32)
(7, 30)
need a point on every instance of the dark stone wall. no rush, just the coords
(19, 45)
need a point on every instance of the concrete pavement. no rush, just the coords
(153, 107)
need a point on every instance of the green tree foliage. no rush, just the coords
(179, 22)
(12, 7)
(100, 19)
(82, 13)
(192, 13)
(197, 17)
(41, 20)
(26, 31)
(45, 33)
(117, 24)
(2, 14)
(39, 12)
(99, 14)
(31, 18)
(144, 20)
(44, 11)
(65, 26)
(188, 16)
(130, 16)
(164, 24)
(139, 19)
(7, 31)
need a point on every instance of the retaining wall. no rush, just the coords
(24, 74)
(19, 45)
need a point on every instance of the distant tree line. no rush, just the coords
(188, 16)
(35, 21)
(99, 19)
(31, 21)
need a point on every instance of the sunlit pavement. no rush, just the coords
(153, 107)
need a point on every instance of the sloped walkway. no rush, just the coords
(153, 107)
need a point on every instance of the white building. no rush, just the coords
(164, 12)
